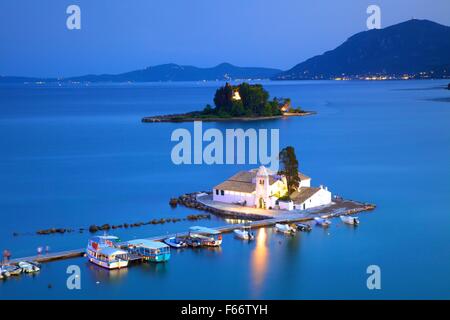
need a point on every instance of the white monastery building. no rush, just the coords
(261, 188)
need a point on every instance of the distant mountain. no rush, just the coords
(167, 72)
(418, 47)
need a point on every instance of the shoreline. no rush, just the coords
(187, 117)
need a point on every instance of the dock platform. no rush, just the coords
(344, 207)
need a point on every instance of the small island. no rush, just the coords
(244, 102)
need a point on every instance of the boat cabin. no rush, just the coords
(207, 236)
(154, 251)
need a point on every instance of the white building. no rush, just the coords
(261, 188)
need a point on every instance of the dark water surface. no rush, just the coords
(72, 156)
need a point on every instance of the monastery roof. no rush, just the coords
(303, 176)
(244, 181)
(303, 194)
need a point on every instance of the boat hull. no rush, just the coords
(158, 258)
(108, 265)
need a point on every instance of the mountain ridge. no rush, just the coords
(410, 47)
(165, 72)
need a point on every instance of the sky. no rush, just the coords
(122, 35)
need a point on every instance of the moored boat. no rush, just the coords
(244, 233)
(175, 242)
(28, 267)
(322, 222)
(303, 227)
(204, 236)
(284, 228)
(350, 220)
(149, 250)
(102, 252)
(11, 270)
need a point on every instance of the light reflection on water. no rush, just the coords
(259, 261)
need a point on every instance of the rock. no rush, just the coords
(93, 228)
(173, 202)
(448, 87)
(125, 225)
(105, 227)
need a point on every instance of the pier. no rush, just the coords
(338, 208)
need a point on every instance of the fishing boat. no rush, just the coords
(28, 267)
(149, 250)
(303, 227)
(102, 252)
(350, 220)
(322, 222)
(11, 270)
(175, 242)
(244, 233)
(284, 228)
(205, 236)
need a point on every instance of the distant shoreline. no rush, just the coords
(186, 117)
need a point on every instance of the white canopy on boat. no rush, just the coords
(110, 251)
(147, 244)
(203, 230)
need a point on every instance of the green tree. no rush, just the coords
(223, 99)
(289, 168)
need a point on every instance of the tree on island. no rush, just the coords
(289, 168)
(244, 100)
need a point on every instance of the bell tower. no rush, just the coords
(262, 188)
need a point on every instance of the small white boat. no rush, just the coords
(244, 234)
(350, 220)
(4, 273)
(28, 267)
(11, 270)
(175, 242)
(284, 228)
(322, 222)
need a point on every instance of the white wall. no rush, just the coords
(234, 197)
(286, 205)
(320, 198)
(305, 183)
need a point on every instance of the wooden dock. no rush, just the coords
(288, 218)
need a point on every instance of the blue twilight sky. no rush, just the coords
(122, 35)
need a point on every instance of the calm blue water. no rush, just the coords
(72, 156)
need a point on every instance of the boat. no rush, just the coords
(349, 220)
(102, 252)
(303, 227)
(149, 250)
(284, 228)
(28, 267)
(4, 273)
(12, 270)
(244, 233)
(175, 242)
(205, 236)
(322, 222)
(193, 242)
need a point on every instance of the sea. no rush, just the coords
(74, 155)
